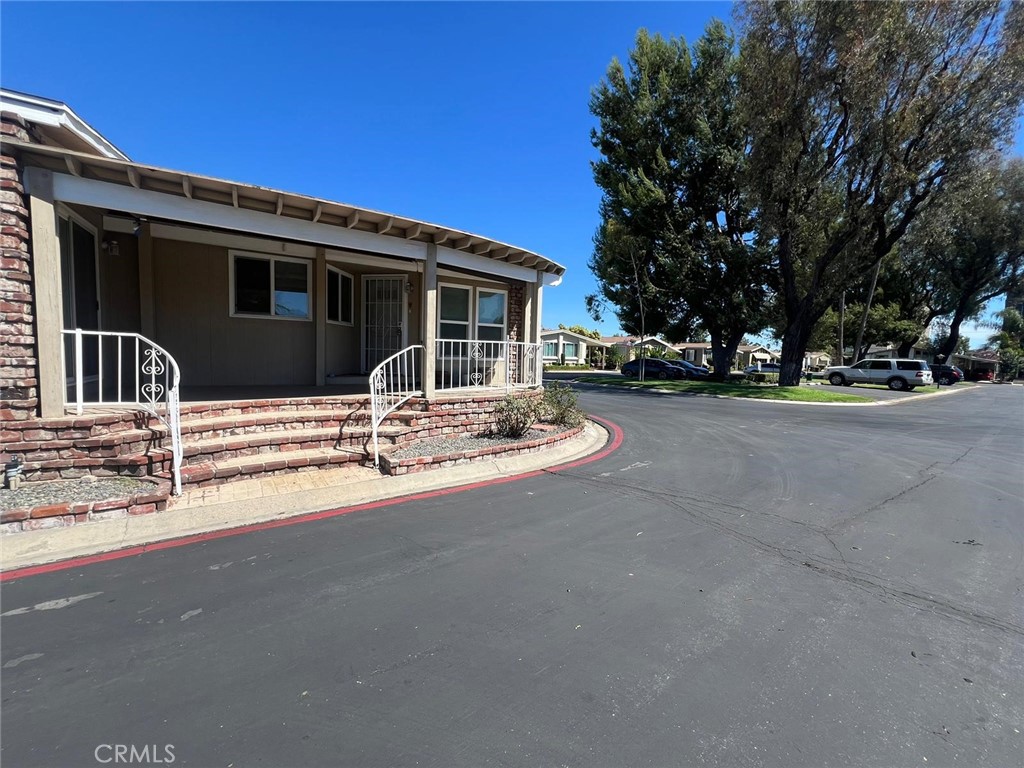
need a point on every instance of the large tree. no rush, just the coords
(675, 250)
(975, 246)
(861, 113)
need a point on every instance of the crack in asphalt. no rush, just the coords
(870, 583)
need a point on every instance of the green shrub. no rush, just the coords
(764, 378)
(514, 416)
(559, 405)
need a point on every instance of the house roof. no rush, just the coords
(55, 123)
(118, 170)
(588, 339)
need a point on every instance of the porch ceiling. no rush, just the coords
(270, 201)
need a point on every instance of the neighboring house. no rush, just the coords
(977, 360)
(570, 348)
(891, 351)
(127, 284)
(628, 346)
(699, 353)
(817, 361)
(752, 354)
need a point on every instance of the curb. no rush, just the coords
(31, 553)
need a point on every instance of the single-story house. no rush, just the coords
(628, 346)
(564, 347)
(699, 353)
(817, 361)
(977, 361)
(129, 286)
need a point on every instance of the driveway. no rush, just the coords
(739, 584)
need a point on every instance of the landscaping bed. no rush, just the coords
(452, 450)
(60, 503)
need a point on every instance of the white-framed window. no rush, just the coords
(340, 287)
(491, 314)
(571, 349)
(471, 313)
(550, 349)
(453, 311)
(270, 286)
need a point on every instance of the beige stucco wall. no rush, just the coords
(119, 283)
(192, 322)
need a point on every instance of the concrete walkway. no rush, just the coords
(249, 502)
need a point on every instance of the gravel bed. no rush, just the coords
(58, 491)
(437, 446)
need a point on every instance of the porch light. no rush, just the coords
(408, 287)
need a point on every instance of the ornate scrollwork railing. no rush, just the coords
(477, 363)
(105, 368)
(393, 382)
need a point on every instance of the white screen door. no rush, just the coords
(384, 316)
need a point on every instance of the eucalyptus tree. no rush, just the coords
(676, 238)
(860, 115)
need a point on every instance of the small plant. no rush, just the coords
(559, 405)
(514, 416)
(764, 378)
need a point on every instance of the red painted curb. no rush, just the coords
(75, 562)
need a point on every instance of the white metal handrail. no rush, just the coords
(392, 383)
(108, 368)
(463, 363)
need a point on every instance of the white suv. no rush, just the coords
(895, 374)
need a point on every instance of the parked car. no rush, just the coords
(980, 375)
(894, 373)
(691, 370)
(947, 375)
(765, 368)
(654, 368)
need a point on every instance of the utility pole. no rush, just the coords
(842, 321)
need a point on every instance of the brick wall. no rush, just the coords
(19, 392)
(516, 330)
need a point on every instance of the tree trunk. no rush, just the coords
(794, 348)
(949, 345)
(723, 352)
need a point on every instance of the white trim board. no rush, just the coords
(144, 202)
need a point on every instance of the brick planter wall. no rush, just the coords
(71, 513)
(424, 463)
(463, 414)
(19, 394)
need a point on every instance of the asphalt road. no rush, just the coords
(740, 584)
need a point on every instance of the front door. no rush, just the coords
(383, 318)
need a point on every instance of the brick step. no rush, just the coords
(101, 446)
(73, 427)
(272, 421)
(265, 465)
(238, 407)
(282, 441)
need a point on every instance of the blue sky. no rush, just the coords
(472, 115)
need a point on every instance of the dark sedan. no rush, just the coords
(692, 371)
(654, 368)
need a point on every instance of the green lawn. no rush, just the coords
(754, 391)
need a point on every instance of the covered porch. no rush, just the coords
(231, 288)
